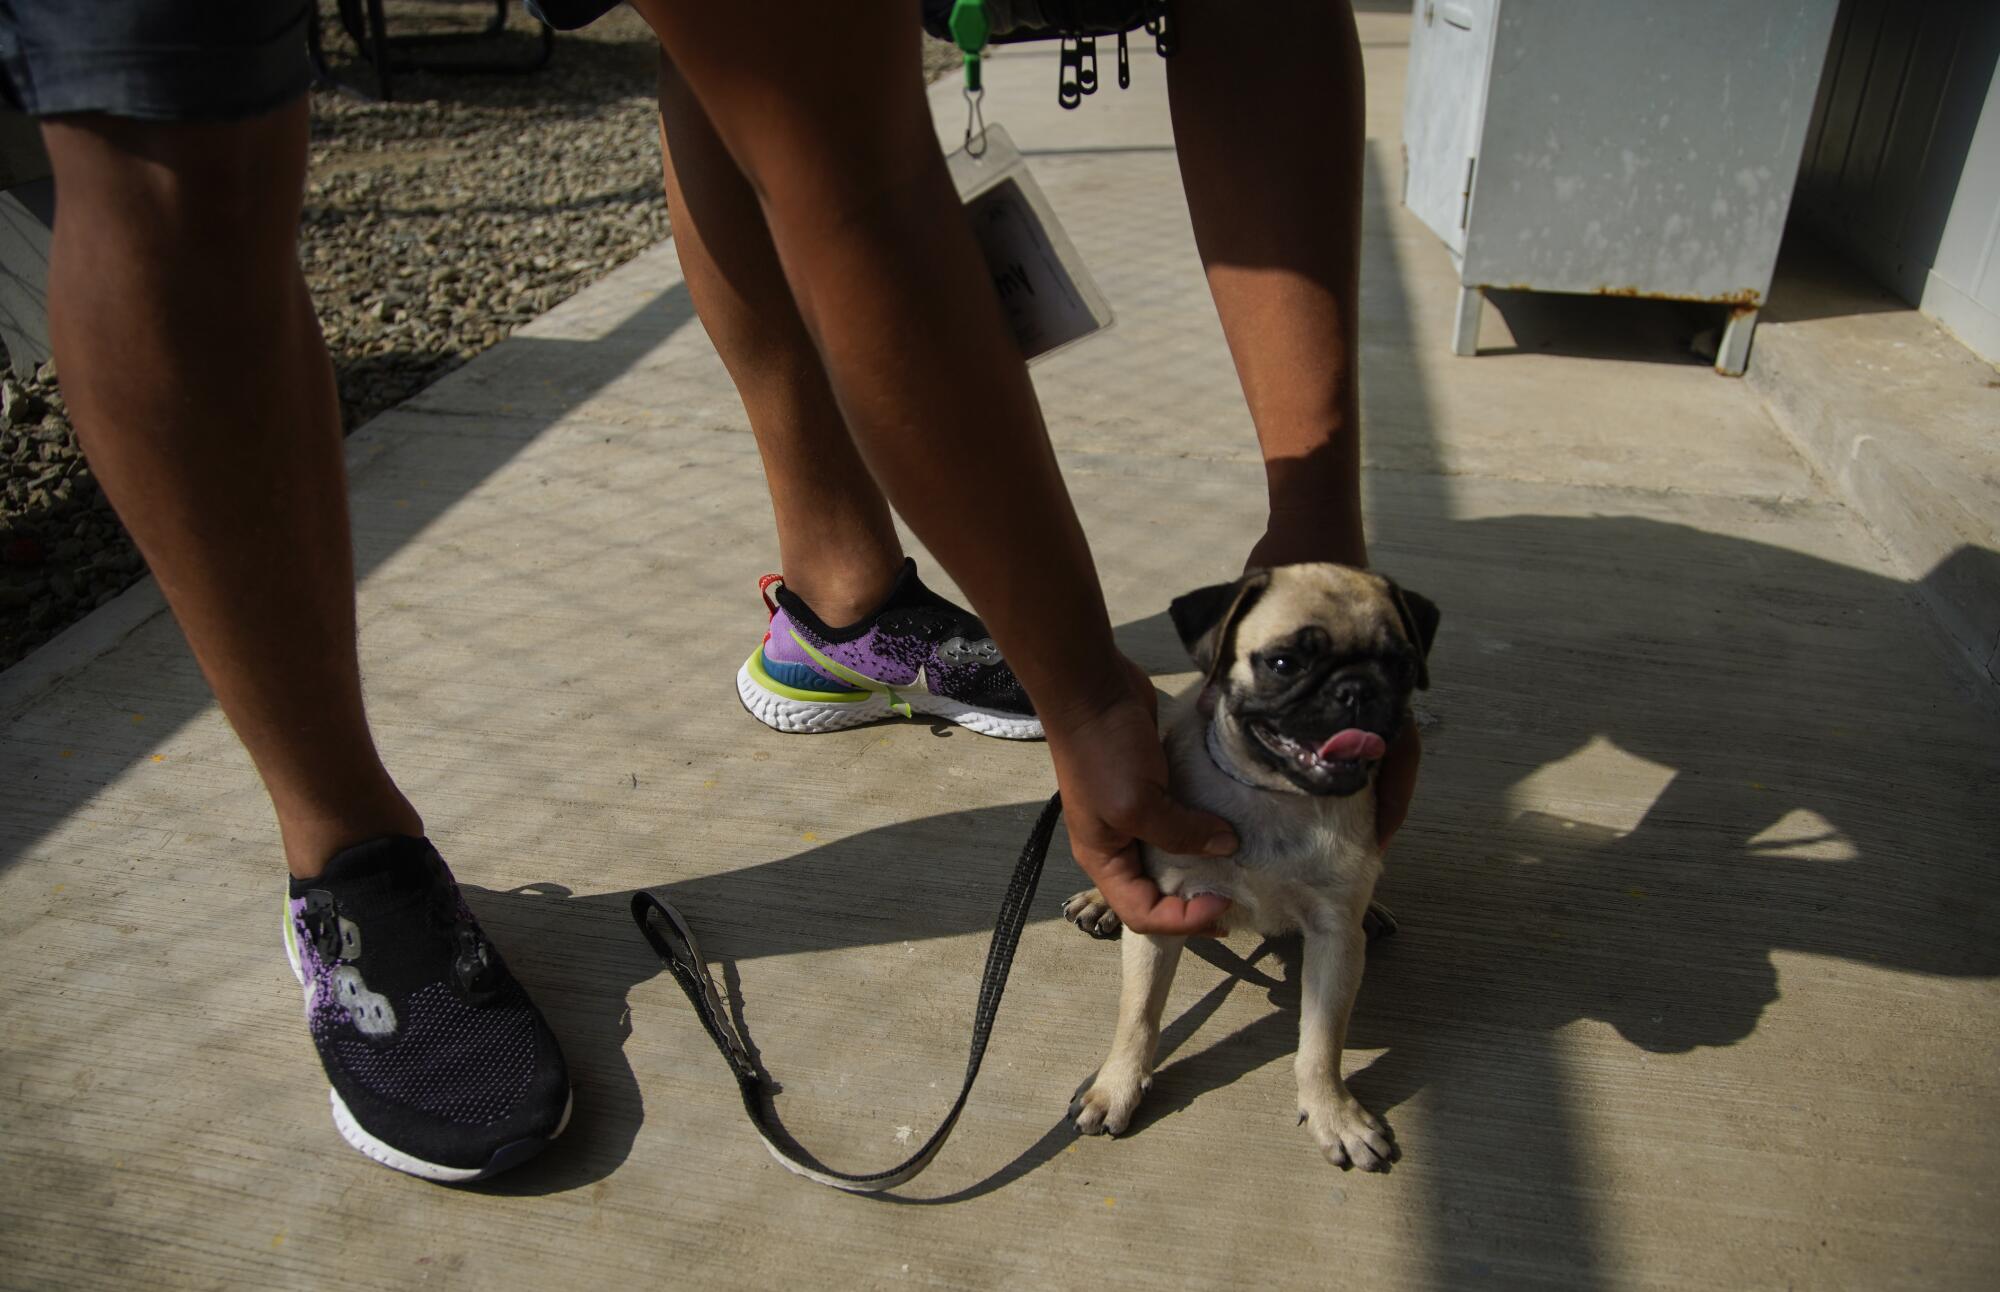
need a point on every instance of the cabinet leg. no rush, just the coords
(1465, 328)
(1733, 355)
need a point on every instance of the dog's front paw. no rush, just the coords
(1090, 912)
(1349, 1134)
(1107, 1107)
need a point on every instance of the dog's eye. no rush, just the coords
(1282, 665)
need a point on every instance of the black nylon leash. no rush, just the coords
(675, 942)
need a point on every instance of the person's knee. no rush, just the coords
(231, 189)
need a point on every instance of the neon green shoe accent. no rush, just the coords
(764, 679)
(897, 704)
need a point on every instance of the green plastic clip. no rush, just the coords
(969, 29)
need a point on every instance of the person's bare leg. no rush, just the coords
(1282, 119)
(1267, 100)
(833, 133)
(836, 542)
(201, 392)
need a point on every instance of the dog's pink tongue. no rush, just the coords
(1353, 744)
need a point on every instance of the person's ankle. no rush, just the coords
(843, 597)
(311, 839)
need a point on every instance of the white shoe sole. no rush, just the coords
(395, 1159)
(783, 713)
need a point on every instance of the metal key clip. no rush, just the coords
(975, 124)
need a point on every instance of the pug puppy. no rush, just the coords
(1307, 677)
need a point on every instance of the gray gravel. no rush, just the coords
(62, 552)
(434, 226)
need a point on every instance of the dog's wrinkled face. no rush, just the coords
(1310, 669)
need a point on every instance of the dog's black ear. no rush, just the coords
(1205, 617)
(1420, 624)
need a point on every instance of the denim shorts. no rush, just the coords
(158, 60)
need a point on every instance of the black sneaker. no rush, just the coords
(441, 1066)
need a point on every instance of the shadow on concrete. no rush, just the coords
(107, 752)
(1959, 589)
(1815, 281)
(1768, 690)
(1811, 281)
(1747, 690)
(1785, 702)
(1603, 327)
(581, 956)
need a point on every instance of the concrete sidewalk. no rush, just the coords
(1696, 984)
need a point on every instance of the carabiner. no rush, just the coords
(975, 124)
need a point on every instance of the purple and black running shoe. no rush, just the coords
(918, 654)
(440, 1064)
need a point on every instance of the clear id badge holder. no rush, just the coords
(1045, 290)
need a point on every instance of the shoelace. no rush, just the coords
(322, 921)
(475, 966)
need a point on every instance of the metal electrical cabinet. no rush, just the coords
(1618, 148)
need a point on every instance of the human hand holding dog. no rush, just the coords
(1113, 776)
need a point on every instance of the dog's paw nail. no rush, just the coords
(1106, 1108)
(1349, 1136)
(1089, 912)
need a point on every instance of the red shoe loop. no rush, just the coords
(763, 590)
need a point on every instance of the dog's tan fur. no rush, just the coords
(1308, 863)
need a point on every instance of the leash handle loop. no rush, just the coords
(674, 940)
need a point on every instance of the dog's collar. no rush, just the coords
(1222, 764)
